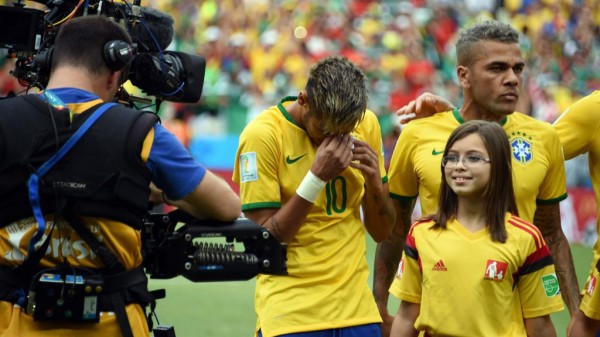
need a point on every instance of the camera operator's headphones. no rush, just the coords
(115, 53)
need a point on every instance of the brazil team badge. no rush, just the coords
(521, 150)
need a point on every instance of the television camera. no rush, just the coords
(177, 244)
(173, 244)
(29, 35)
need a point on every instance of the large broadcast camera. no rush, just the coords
(29, 35)
(176, 244)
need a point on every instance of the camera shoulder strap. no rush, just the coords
(33, 181)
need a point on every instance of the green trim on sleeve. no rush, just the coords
(257, 205)
(552, 201)
(402, 197)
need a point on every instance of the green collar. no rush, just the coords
(285, 113)
(461, 120)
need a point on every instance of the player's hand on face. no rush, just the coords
(333, 156)
(427, 104)
(365, 159)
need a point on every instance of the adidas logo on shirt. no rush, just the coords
(439, 266)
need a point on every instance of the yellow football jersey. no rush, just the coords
(538, 167)
(469, 285)
(327, 285)
(578, 128)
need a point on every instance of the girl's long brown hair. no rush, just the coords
(499, 194)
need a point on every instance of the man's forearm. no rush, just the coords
(565, 270)
(379, 213)
(547, 219)
(387, 257)
(389, 252)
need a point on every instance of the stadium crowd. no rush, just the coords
(259, 50)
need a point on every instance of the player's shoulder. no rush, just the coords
(522, 119)
(368, 121)
(526, 123)
(368, 129)
(589, 103)
(435, 119)
(370, 115)
(583, 110)
(268, 121)
(431, 125)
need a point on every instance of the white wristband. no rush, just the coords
(310, 187)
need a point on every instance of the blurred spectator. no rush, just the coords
(255, 49)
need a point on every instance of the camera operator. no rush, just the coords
(100, 188)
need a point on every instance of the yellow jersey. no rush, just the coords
(538, 167)
(326, 286)
(578, 128)
(469, 285)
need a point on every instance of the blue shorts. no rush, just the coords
(367, 330)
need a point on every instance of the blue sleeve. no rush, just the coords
(173, 168)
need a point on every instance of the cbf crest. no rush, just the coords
(521, 147)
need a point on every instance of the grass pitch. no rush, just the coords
(226, 309)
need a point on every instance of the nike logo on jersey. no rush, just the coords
(435, 153)
(293, 160)
(439, 266)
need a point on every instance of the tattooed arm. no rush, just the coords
(547, 219)
(378, 209)
(283, 223)
(387, 258)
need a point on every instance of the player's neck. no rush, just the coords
(471, 111)
(295, 111)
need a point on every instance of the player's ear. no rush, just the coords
(463, 74)
(303, 98)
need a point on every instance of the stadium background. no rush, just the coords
(259, 51)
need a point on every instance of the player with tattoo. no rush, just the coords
(489, 68)
(305, 168)
(475, 268)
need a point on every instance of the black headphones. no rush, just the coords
(115, 53)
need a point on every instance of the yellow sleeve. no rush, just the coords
(404, 183)
(407, 284)
(539, 290)
(256, 167)
(554, 186)
(578, 126)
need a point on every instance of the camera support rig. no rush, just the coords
(177, 244)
